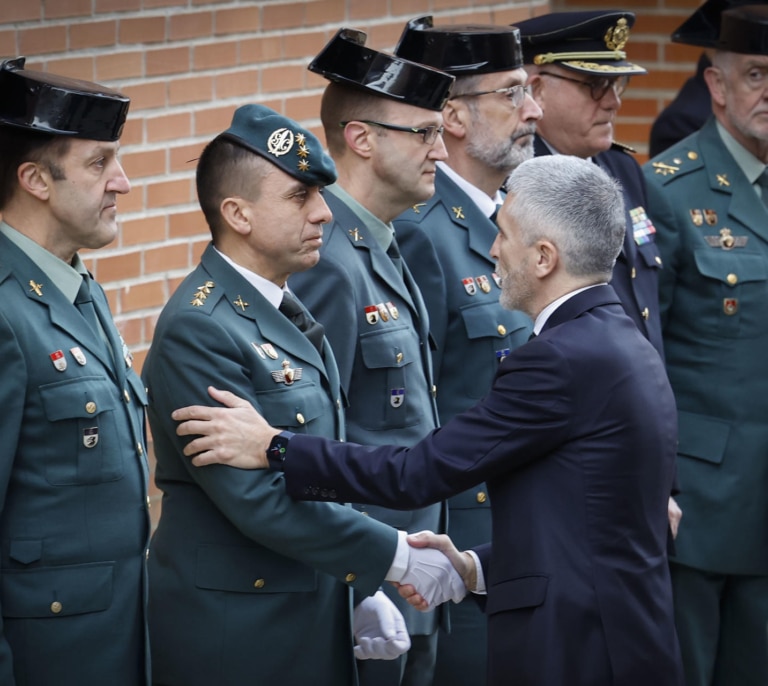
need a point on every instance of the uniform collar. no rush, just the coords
(748, 163)
(383, 233)
(271, 292)
(546, 313)
(486, 205)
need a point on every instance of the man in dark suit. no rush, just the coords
(489, 122)
(708, 197)
(382, 123)
(267, 580)
(73, 474)
(576, 441)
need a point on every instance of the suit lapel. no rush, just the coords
(580, 303)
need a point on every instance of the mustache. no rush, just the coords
(523, 131)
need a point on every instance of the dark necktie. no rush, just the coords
(495, 214)
(394, 254)
(309, 327)
(84, 303)
(762, 181)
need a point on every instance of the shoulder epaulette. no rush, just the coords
(615, 145)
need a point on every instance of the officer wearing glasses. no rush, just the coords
(383, 126)
(578, 73)
(490, 121)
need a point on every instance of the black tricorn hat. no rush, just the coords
(590, 42)
(703, 26)
(38, 101)
(346, 60)
(461, 50)
(744, 30)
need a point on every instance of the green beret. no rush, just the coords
(283, 142)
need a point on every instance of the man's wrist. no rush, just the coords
(278, 450)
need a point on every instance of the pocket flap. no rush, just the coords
(702, 437)
(719, 264)
(393, 347)
(26, 551)
(293, 407)
(251, 570)
(487, 320)
(514, 594)
(56, 591)
(83, 397)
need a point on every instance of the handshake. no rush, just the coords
(435, 573)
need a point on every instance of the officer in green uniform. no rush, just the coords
(489, 126)
(73, 473)
(707, 199)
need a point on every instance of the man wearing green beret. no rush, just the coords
(707, 197)
(246, 585)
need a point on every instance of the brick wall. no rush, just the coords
(187, 64)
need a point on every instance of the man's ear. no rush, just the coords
(547, 258)
(537, 89)
(35, 179)
(358, 137)
(236, 212)
(716, 82)
(456, 118)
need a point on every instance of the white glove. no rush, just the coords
(433, 576)
(379, 629)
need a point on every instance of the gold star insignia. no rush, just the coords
(301, 139)
(303, 165)
(416, 207)
(459, 212)
(202, 293)
(302, 151)
(240, 303)
(722, 179)
(355, 233)
(36, 288)
(665, 169)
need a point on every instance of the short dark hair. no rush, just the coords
(226, 169)
(345, 103)
(18, 146)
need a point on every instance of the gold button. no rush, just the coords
(646, 313)
(658, 260)
(338, 403)
(146, 554)
(732, 279)
(127, 396)
(90, 407)
(259, 583)
(350, 577)
(677, 160)
(300, 418)
(139, 449)
(56, 607)
(502, 330)
(149, 503)
(634, 272)
(399, 357)
(434, 391)
(693, 156)
(481, 497)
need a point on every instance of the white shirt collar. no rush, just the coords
(269, 290)
(546, 313)
(487, 205)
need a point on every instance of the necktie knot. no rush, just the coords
(495, 214)
(312, 329)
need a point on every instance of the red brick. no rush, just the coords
(149, 4)
(276, 17)
(56, 9)
(411, 8)
(146, 96)
(642, 51)
(144, 230)
(132, 330)
(384, 36)
(676, 52)
(43, 39)
(193, 89)
(118, 267)
(238, 20)
(166, 193)
(448, 4)
(74, 67)
(138, 361)
(212, 121)
(191, 223)
(365, 9)
(9, 42)
(169, 126)
(284, 78)
(259, 50)
(143, 29)
(637, 107)
(322, 12)
(92, 34)
(237, 84)
(216, 55)
(117, 6)
(183, 158)
(191, 25)
(300, 45)
(133, 131)
(21, 11)
(198, 247)
(133, 201)
(303, 107)
(123, 65)
(166, 258)
(174, 60)
(144, 163)
(514, 14)
(142, 296)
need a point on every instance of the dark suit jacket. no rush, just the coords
(233, 559)
(73, 511)
(635, 275)
(576, 441)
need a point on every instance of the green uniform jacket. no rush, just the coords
(73, 491)
(247, 585)
(712, 233)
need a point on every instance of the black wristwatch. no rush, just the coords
(278, 449)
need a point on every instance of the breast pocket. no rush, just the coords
(739, 286)
(494, 332)
(393, 385)
(85, 446)
(297, 408)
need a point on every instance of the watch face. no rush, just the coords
(277, 449)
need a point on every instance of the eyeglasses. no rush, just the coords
(597, 87)
(515, 94)
(429, 133)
